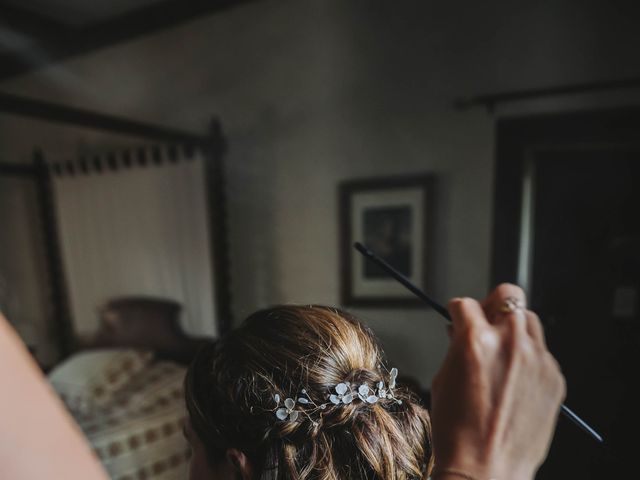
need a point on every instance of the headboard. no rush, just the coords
(146, 323)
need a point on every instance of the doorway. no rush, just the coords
(571, 229)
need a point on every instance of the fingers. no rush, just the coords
(505, 309)
(494, 304)
(466, 313)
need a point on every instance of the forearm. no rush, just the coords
(38, 439)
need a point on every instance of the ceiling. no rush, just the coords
(78, 12)
(36, 33)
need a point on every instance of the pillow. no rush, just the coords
(89, 380)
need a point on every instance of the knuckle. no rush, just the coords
(509, 288)
(454, 304)
(459, 303)
(462, 309)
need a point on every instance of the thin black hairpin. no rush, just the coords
(566, 411)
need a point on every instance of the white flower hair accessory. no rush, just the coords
(343, 393)
(287, 412)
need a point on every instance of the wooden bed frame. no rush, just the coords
(145, 323)
(213, 146)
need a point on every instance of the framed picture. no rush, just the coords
(391, 216)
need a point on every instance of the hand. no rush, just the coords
(497, 396)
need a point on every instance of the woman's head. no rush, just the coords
(232, 390)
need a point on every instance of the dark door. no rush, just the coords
(585, 280)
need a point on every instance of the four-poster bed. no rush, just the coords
(44, 172)
(121, 376)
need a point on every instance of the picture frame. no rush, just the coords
(392, 216)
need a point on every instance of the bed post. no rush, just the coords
(217, 208)
(57, 284)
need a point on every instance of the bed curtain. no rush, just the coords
(135, 223)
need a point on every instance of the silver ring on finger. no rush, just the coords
(511, 305)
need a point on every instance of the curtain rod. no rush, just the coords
(491, 100)
(29, 107)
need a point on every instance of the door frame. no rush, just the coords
(516, 141)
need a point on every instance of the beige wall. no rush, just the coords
(314, 92)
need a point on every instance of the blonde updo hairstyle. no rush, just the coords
(230, 389)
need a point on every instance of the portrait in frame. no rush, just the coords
(392, 217)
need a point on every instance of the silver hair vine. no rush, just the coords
(343, 393)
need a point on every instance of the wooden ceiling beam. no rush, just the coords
(28, 22)
(57, 42)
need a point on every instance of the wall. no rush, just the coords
(314, 92)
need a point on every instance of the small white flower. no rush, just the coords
(366, 394)
(363, 392)
(341, 395)
(288, 411)
(392, 378)
(382, 392)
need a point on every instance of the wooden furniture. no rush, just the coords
(145, 323)
(212, 145)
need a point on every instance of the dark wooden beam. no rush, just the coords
(29, 39)
(491, 100)
(17, 169)
(57, 113)
(215, 175)
(67, 41)
(30, 23)
(57, 287)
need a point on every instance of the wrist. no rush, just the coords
(455, 474)
(463, 472)
(470, 468)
